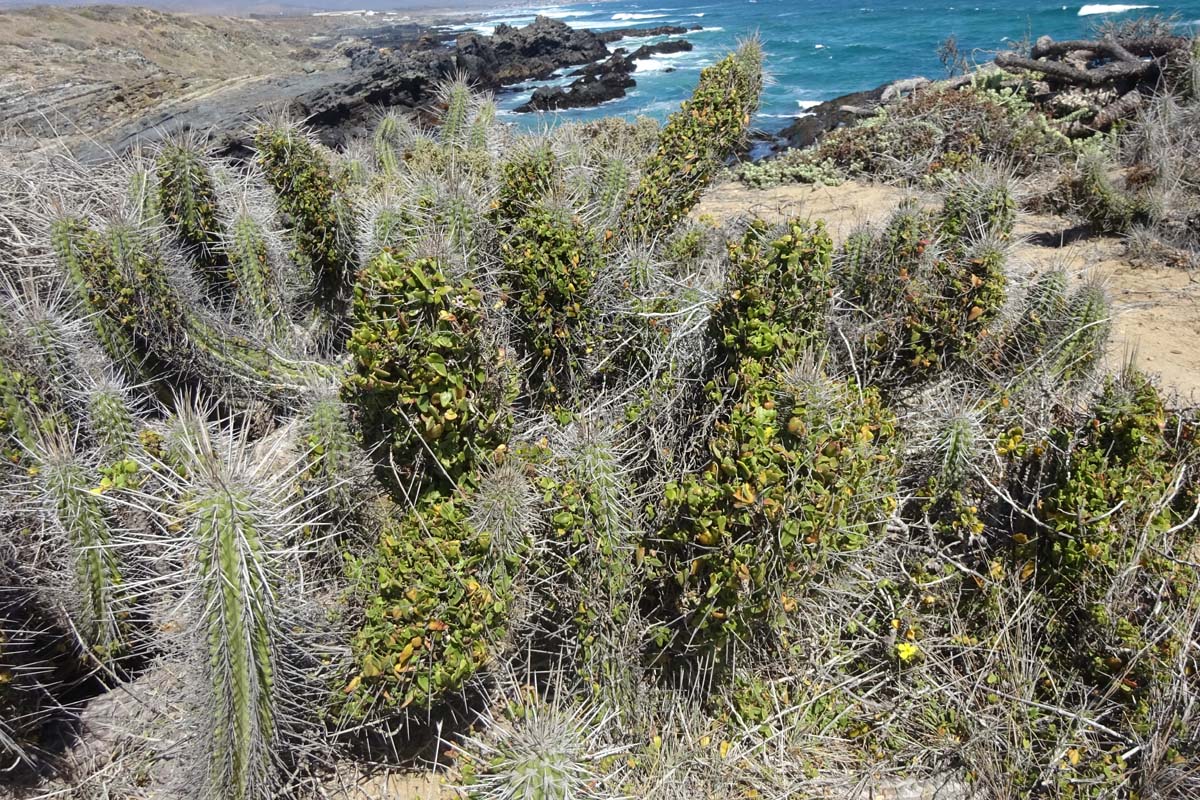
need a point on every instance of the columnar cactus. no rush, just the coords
(187, 197)
(333, 465)
(73, 244)
(455, 124)
(228, 505)
(727, 479)
(129, 285)
(545, 749)
(392, 135)
(99, 597)
(320, 218)
(1041, 316)
(695, 142)
(255, 283)
(1084, 335)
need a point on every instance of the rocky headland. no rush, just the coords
(101, 79)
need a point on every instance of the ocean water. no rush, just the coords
(815, 50)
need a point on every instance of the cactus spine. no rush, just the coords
(131, 287)
(74, 504)
(457, 97)
(392, 133)
(1085, 334)
(248, 253)
(480, 138)
(73, 244)
(230, 527)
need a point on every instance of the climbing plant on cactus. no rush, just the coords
(694, 143)
(428, 386)
(553, 261)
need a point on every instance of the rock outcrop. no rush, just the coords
(535, 52)
(839, 112)
(608, 37)
(600, 82)
(71, 88)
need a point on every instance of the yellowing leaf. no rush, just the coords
(745, 495)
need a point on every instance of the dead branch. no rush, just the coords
(1093, 78)
(1048, 48)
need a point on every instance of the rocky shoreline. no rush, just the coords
(402, 72)
(602, 81)
(336, 80)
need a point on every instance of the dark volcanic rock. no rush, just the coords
(840, 111)
(597, 83)
(645, 51)
(608, 37)
(674, 46)
(534, 52)
(806, 130)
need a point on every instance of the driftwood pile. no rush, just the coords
(1096, 83)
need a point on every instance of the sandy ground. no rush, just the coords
(395, 786)
(1157, 310)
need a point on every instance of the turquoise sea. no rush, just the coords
(815, 49)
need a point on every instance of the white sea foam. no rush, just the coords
(637, 16)
(650, 65)
(595, 25)
(818, 47)
(1090, 10)
(807, 104)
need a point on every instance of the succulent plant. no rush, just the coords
(543, 749)
(100, 601)
(236, 533)
(439, 399)
(553, 261)
(314, 199)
